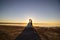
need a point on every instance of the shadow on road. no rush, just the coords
(29, 33)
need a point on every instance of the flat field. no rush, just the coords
(45, 33)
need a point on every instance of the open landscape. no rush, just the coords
(45, 33)
(29, 19)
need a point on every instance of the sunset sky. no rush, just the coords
(39, 11)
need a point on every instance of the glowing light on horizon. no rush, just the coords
(30, 18)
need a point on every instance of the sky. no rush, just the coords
(39, 11)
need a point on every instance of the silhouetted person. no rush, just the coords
(29, 33)
(30, 23)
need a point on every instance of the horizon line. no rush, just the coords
(25, 22)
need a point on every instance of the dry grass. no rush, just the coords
(46, 33)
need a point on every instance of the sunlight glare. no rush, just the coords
(31, 19)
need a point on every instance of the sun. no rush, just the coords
(31, 19)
